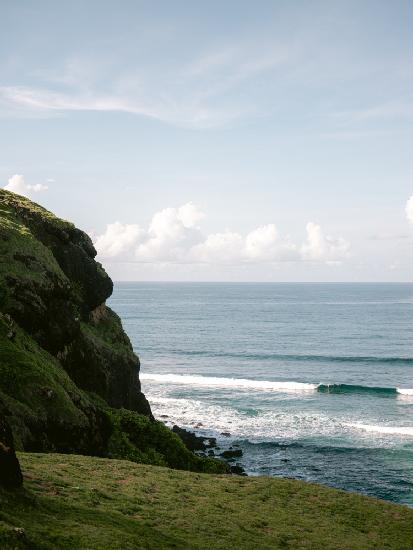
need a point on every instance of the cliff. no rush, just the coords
(69, 379)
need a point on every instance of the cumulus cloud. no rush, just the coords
(174, 236)
(219, 248)
(171, 234)
(409, 210)
(17, 184)
(265, 243)
(320, 247)
(118, 239)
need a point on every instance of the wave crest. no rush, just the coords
(399, 430)
(268, 385)
(213, 381)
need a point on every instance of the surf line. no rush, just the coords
(268, 385)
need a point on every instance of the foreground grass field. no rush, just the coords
(82, 502)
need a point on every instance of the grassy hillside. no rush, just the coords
(82, 502)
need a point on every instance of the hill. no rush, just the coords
(93, 503)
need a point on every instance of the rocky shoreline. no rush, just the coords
(207, 447)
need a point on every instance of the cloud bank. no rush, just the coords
(17, 184)
(174, 236)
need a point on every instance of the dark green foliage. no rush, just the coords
(140, 439)
(43, 406)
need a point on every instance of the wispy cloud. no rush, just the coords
(197, 94)
(400, 108)
(296, 75)
(187, 113)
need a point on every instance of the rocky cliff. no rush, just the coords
(69, 379)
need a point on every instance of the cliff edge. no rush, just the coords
(69, 379)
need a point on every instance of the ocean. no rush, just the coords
(311, 381)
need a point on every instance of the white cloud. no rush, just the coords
(265, 243)
(409, 210)
(173, 236)
(320, 247)
(17, 184)
(118, 239)
(172, 232)
(190, 215)
(220, 248)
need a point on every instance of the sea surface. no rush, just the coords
(311, 381)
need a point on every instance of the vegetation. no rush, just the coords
(37, 392)
(90, 503)
(68, 373)
(137, 438)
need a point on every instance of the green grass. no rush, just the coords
(81, 502)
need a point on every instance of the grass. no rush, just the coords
(82, 502)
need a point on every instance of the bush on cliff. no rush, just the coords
(139, 439)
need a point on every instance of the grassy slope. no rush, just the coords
(82, 502)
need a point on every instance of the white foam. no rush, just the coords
(213, 381)
(400, 430)
(209, 417)
(405, 391)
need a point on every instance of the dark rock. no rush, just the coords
(101, 360)
(238, 470)
(10, 473)
(192, 441)
(226, 434)
(231, 454)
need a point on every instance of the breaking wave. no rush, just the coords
(268, 385)
(400, 430)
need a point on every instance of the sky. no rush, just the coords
(217, 141)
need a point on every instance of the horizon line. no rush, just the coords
(273, 282)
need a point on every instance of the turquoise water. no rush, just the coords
(312, 381)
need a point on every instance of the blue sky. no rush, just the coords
(220, 140)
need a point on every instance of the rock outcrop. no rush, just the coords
(55, 290)
(54, 321)
(68, 374)
(57, 335)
